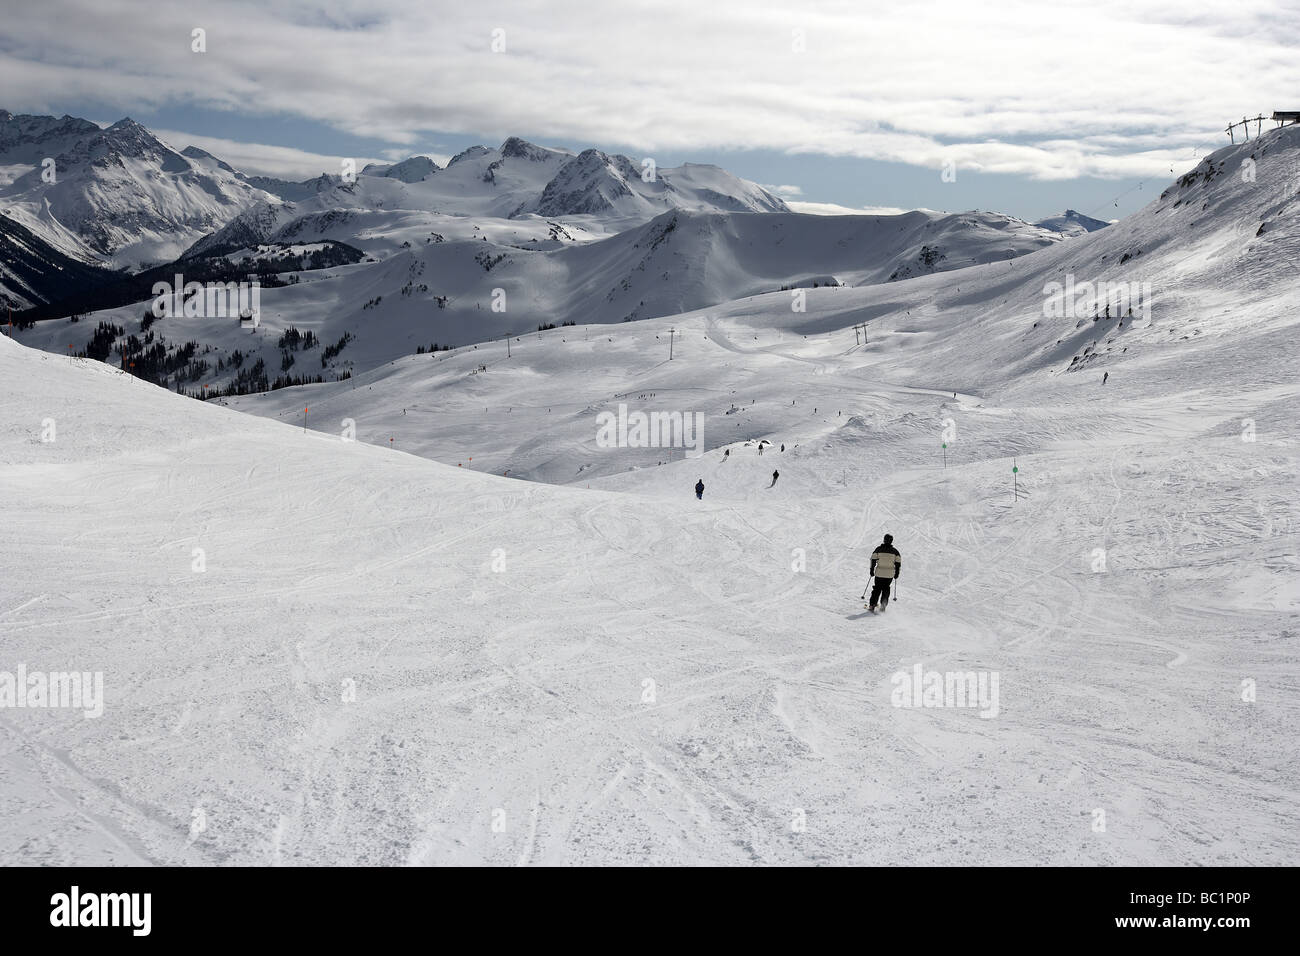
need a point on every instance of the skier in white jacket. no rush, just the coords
(886, 566)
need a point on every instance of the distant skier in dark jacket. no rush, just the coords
(886, 566)
(775, 476)
(699, 489)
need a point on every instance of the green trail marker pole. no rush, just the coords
(1015, 481)
(945, 454)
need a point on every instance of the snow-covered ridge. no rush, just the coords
(34, 273)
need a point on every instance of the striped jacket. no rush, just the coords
(886, 562)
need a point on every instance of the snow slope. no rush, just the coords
(604, 670)
(621, 674)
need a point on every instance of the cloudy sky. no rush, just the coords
(1034, 106)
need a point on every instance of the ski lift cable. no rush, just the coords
(1113, 202)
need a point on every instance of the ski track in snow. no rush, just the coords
(770, 698)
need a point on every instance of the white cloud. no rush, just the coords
(785, 192)
(1078, 87)
(260, 159)
(835, 209)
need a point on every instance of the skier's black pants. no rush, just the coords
(881, 591)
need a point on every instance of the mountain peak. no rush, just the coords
(468, 154)
(522, 149)
(413, 169)
(1072, 223)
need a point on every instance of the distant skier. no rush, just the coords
(775, 476)
(783, 448)
(1104, 377)
(699, 489)
(727, 453)
(886, 566)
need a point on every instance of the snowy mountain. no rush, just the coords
(27, 140)
(120, 196)
(596, 184)
(406, 657)
(594, 191)
(1208, 267)
(1072, 223)
(467, 282)
(254, 225)
(34, 273)
(413, 170)
(292, 191)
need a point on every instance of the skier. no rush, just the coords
(699, 489)
(1104, 377)
(783, 448)
(886, 566)
(775, 476)
(727, 453)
